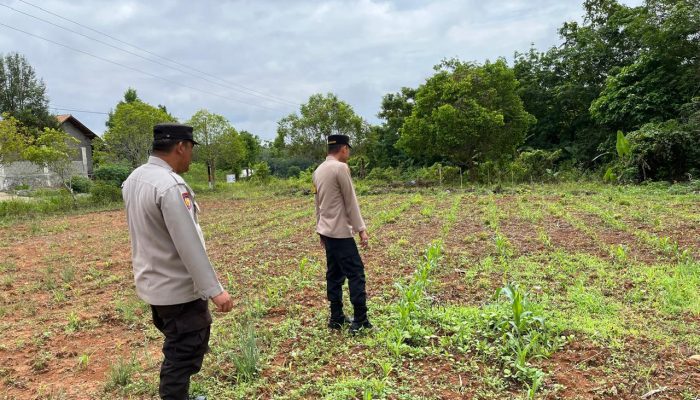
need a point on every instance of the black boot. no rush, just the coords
(361, 321)
(337, 319)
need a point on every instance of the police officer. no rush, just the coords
(171, 267)
(338, 219)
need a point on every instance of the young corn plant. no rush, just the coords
(514, 333)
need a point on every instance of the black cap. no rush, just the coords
(339, 139)
(172, 131)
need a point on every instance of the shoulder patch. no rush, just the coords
(188, 200)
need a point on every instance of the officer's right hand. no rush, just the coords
(364, 239)
(223, 302)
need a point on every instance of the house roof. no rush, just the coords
(63, 118)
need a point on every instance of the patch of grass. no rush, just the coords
(121, 373)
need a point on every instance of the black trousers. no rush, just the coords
(344, 261)
(186, 328)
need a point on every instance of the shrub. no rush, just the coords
(388, 174)
(105, 193)
(261, 172)
(113, 174)
(438, 173)
(293, 171)
(664, 151)
(535, 165)
(80, 184)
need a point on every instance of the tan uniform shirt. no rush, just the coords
(170, 260)
(337, 212)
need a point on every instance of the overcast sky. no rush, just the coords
(264, 58)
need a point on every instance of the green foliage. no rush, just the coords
(622, 145)
(13, 139)
(663, 76)
(80, 184)
(130, 131)
(664, 151)
(54, 149)
(514, 333)
(466, 113)
(304, 134)
(535, 165)
(247, 358)
(261, 172)
(112, 174)
(121, 373)
(23, 95)
(105, 193)
(382, 150)
(219, 142)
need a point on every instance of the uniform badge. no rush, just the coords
(188, 200)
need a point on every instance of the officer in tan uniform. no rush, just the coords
(338, 219)
(171, 268)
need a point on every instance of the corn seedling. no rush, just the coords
(83, 361)
(73, 323)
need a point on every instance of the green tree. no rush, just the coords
(559, 85)
(13, 140)
(396, 107)
(22, 94)
(209, 130)
(664, 76)
(466, 113)
(253, 149)
(130, 136)
(305, 133)
(56, 150)
(130, 96)
(232, 151)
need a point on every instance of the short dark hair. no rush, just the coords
(335, 148)
(165, 146)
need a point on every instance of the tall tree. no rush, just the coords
(396, 107)
(665, 75)
(130, 96)
(559, 85)
(466, 113)
(208, 130)
(232, 151)
(22, 94)
(253, 148)
(130, 136)
(305, 133)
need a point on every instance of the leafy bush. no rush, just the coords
(438, 173)
(261, 172)
(293, 171)
(113, 174)
(105, 193)
(535, 166)
(665, 151)
(80, 184)
(388, 174)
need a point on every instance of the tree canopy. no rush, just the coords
(22, 94)
(130, 135)
(466, 113)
